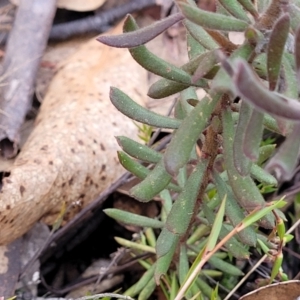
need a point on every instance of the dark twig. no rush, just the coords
(24, 50)
(84, 281)
(98, 22)
(114, 262)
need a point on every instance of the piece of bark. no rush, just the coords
(10, 265)
(33, 241)
(71, 154)
(25, 46)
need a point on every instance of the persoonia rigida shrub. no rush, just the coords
(216, 158)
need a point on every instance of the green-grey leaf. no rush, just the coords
(163, 262)
(132, 166)
(294, 12)
(253, 135)
(244, 189)
(235, 10)
(138, 170)
(211, 20)
(183, 208)
(179, 111)
(183, 266)
(185, 96)
(284, 162)
(156, 181)
(248, 5)
(290, 88)
(153, 63)
(147, 290)
(262, 176)
(297, 53)
(201, 35)
(276, 47)
(260, 65)
(233, 211)
(194, 48)
(138, 113)
(166, 242)
(205, 65)
(225, 267)
(233, 245)
(179, 150)
(165, 87)
(132, 219)
(250, 89)
(140, 36)
(222, 82)
(271, 124)
(241, 162)
(265, 152)
(144, 279)
(205, 288)
(138, 151)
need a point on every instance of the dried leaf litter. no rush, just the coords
(71, 154)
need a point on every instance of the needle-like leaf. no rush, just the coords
(284, 162)
(253, 135)
(133, 219)
(248, 5)
(201, 35)
(156, 181)
(235, 10)
(243, 187)
(250, 89)
(183, 208)
(265, 152)
(138, 151)
(241, 162)
(262, 176)
(165, 87)
(153, 63)
(139, 113)
(297, 54)
(164, 261)
(179, 150)
(211, 20)
(139, 170)
(140, 36)
(144, 279)
(165, 242)
(233, 211)
(276, 46)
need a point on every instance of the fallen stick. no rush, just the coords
(25, 46)
(98, 22)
